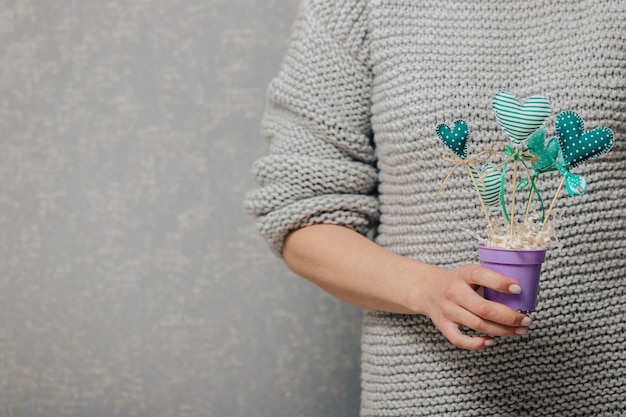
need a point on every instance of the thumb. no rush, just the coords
(479, 275)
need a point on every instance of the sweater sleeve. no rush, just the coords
(321, 166)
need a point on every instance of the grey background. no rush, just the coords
(132, 282)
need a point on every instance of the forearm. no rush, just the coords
(356, 270)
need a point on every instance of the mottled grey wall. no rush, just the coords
(132, 283)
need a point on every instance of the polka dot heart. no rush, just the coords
(456, 137)
(577, 144)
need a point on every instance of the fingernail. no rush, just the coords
(490, 342)
(526, 321)
(521, 331)
(515, 289)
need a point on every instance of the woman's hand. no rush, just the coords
(356, 270)
(451, 301)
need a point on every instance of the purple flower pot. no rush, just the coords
(523, 265)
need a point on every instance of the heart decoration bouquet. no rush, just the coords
(519, 226)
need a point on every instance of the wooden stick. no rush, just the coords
(530, 199)
(556, 195)
(531, 194)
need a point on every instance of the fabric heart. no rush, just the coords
(455, 138)
(487, 179)
(578, 145)
(546, 154)
(520, 121)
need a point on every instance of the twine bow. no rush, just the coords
(470, 161)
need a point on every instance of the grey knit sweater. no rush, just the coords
(351, 124)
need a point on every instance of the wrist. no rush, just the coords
(419, 279)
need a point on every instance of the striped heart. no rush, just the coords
(456, 137)
(487, 179)
(520, 120)
(577, 144)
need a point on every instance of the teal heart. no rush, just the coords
(578, 145)
(487, 179)
(546, 154)
(519, 121)
(455, 138)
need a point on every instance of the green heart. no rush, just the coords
(546, 154)
(455, 138)
(578, 145)
(520, 120)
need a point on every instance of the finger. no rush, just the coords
(470, 300)
(453, 333)
(479, 275)
(466, 297)
(494, 312)
(482, 325)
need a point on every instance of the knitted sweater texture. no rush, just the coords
(351, 121)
